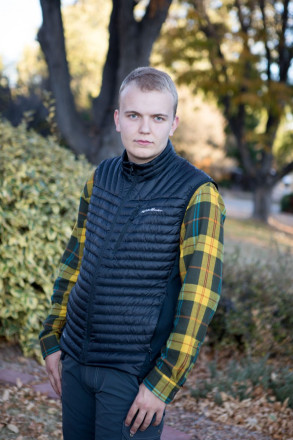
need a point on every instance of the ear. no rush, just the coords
(116, 120)
(174, 125)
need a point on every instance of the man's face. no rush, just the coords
(145, 120)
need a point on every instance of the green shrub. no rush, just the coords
(255, 312)
(40, 186)
(287, 203)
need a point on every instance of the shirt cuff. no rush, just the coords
(49, 345)
(162, 386)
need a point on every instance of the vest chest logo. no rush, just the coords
(151, 210)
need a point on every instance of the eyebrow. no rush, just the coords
(137, 113)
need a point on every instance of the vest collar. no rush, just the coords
(149, 169)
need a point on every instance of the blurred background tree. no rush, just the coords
(240, 53)
(133, 28)
(86, 33)
(227, 53)
(5, 93)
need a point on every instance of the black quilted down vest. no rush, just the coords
(120, 311)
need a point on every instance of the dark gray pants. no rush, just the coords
(95, 402)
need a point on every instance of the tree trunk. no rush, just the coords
(51, 39)
(130, 44)
(262, 199)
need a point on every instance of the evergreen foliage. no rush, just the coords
(40, 186)
(287, 203)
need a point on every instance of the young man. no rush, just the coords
(140, 279)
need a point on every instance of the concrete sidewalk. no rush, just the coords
(13, 377)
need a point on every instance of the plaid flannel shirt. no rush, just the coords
(201, 257)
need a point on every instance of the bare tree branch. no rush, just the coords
(268, 52)
(288, 168)
(151, 23)
(107, 93)
(244, 26)
(284, 55)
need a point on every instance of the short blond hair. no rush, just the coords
(149, 79)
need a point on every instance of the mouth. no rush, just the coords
(142, 142)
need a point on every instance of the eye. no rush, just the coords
(133, 116)
(159, 119)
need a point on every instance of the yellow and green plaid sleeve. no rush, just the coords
(67, 276)
(201, 258)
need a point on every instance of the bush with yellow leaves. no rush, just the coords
(40, 186)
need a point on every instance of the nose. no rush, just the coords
(144, 126)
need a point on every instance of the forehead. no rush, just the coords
(132, 98)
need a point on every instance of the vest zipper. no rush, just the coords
(125, 227)
(90, 303)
